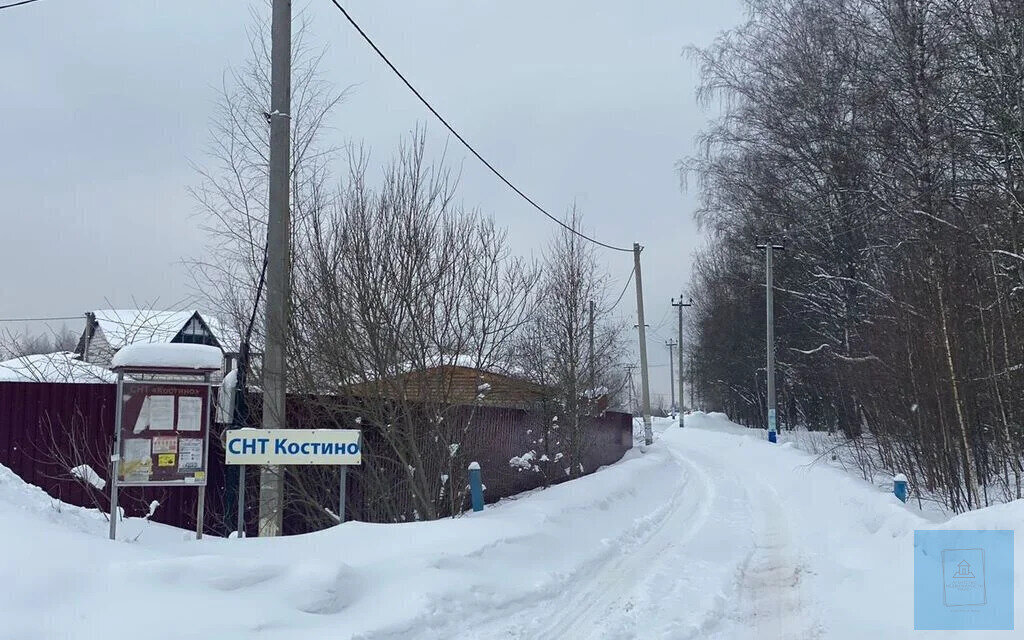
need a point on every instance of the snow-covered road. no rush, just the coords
(719, 562)
(753, 541)
(709, 533)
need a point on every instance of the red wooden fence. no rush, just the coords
(46, 427)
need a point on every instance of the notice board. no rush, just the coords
(164, 438)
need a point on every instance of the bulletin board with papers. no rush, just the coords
(164, 434)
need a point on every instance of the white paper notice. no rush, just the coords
(137, 462)
(190, 413)
(165, 444)
(190, 454)
(161, 413)
(142, 422)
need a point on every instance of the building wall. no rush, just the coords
(98, 351)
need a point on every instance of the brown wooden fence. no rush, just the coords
(47, 427)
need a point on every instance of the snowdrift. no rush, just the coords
(665, 543)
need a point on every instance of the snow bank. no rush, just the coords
(420, 579)
(171, 356)
(854, 540)
(682, 541)
(33, 518)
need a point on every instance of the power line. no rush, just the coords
(628, 280)
(17, 4)
(463, 140)
(661, 323)
(39, 319)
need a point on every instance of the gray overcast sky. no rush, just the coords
(106, 102)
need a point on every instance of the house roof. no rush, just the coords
(122, 327)
(455, 384)
(60, 366)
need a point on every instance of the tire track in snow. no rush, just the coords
(605, 597)
(770, 600)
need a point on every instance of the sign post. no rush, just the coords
(279, 447)
(115, 457)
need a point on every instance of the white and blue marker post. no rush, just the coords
(899, 487)
(476, 486)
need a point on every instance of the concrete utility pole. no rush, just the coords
(632, 386)
(769, 250)
(671, 344)
(644, 383)
(593, 372)
(274, 365)
(680, 306)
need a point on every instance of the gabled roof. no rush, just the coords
(122, 327)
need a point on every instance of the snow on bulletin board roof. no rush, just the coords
(168, 356)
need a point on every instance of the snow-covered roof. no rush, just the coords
(170, 356)
(229, 338)
(468, 362)
(60, 366)
(122, 327)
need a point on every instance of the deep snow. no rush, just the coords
(709, 533)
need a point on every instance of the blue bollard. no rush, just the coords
(772, 437)
(899, 486)
(476, 486)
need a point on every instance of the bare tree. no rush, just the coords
(231, 191)
(15, 345)
(881, 141)
(400, 288)
(554, 351)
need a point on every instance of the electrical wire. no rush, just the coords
(466, 144)
(664, 319)
(16, 4)
(628, 280)
(40, 319)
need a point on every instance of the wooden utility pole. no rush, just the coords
(644, 383)
(274, 363)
